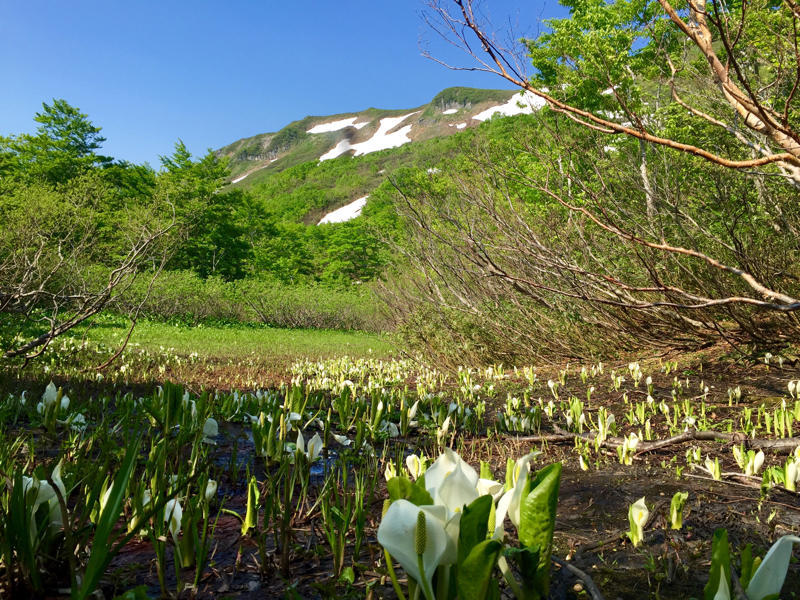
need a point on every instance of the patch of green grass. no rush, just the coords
(269, 345)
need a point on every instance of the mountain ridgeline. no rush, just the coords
(253, 159)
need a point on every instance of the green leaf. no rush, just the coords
(475, 572)
(402, 488)
(473, 526)
(527, 560)
(101, 555)
(749, 565)
(348, 575)
(18, 532)
(251, 516)
(718, 585)
(538, 519)
(137, 593)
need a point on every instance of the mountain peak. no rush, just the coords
(371, 130)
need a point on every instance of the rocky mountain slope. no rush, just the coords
(324, 138)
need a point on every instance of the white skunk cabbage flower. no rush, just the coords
(490, 487)
(712, 466)
(46, 494)
(314, 448)
(416, 465)
(50, 394)
(754, 463)
(398, 533)
(412, 412)
(390, 472)
(342, 439)
(211, 490)
(173, 514)
(50, 397)
(638, 514)
(210, 431)
(510, 502)
(768, 579)
(77, 422)
(443, 467)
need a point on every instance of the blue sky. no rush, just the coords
(151, 72)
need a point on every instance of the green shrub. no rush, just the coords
(184, 296)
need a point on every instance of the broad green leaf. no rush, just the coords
(474, 525)
(401, 488)
(749, 565)
(527, 561)
(718, 586)
(18, 531)
(538, 518)
(475, 572)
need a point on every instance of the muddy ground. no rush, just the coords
(591, 521)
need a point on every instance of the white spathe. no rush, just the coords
(337, 125)
(768, 579)
(345, 213)
(516, 105)
(397, 533)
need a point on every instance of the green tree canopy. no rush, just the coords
(64, 145)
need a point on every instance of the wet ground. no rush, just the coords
(591, 521)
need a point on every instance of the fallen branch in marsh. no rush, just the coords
(689, 436)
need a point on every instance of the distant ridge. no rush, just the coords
(323, 138)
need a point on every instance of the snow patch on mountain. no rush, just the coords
(516, 105)
(345, 213)
(461, 126)
(241, 177)
(337, 125)
(381, 140)
(337, 150)
(450, 111)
